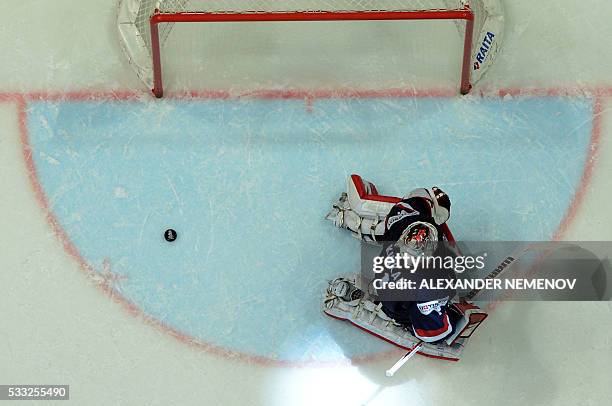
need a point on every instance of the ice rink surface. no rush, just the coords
(94, 169)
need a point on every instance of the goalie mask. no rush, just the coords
(419, 237)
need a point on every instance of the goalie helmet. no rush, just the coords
(419, 238)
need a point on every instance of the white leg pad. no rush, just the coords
(369, 316)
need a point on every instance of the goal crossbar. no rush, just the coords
(153, 76)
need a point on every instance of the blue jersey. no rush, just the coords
(426, 311)
(404, 213)
(429, 321)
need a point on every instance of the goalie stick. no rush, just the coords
(509, 260)
(391, 371)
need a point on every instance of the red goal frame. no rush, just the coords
(208, 17)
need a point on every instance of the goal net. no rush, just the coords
(145, 25)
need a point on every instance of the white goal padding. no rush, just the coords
(134, 17)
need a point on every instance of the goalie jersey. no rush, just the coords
(412, 209)
(412, 227)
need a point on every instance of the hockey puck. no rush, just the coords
(170, 235)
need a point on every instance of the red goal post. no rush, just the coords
(144, 25)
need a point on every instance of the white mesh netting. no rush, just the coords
(134, 18)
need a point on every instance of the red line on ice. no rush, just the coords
(21, 99)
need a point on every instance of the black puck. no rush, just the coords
(170, 235)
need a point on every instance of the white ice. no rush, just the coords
(55, 327)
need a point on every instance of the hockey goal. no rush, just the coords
(144, 25)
